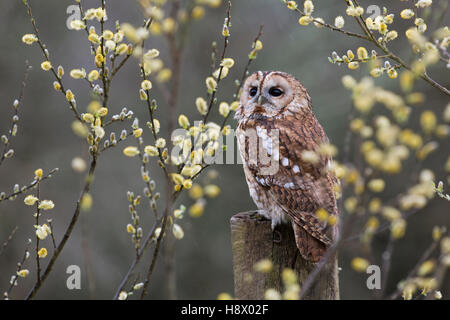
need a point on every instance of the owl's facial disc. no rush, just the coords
(262, 100)
(258, 98)
(271, 94)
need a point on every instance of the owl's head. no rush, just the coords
(271, 94)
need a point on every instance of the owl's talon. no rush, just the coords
(278, 238)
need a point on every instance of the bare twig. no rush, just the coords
(38, 213)
(87, 255)
(137, 258)
(19, 267)
(175, 53)
(213, 94)
(386, 266)
(244, 75)
(225, 45)
(11, 235)
(120, 65)
(329, 254)
(47, 58)
(422, 259)
(15, 118)
(80, 6)
(57, 252)
(158, 243)
(28, 187)
(329, 26)
(52, 234)
(150, 109)
(110, 145)
(371, 38)
(147, 183)
(155, 257)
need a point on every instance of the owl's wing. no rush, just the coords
(300, 187)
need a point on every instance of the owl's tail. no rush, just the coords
(310, 248)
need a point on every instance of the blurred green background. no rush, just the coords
(203, 258)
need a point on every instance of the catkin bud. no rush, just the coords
(143, 95)
(183, 121)
(211, 84)
(9, 153)
(339, 22)
(146, 85)
(202, 107)
(93, 75)
(227, 62)
(224, 109)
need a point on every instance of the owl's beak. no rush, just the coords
(262, 100)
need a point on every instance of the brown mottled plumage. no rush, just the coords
(276, 112)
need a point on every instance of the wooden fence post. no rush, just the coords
(253, 240)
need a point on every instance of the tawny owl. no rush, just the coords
(290, 180)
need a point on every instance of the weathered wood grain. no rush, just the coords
(253, 240)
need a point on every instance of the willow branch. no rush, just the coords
(57, 252)
(136, 260)
(19, 267)
(170, 202)
(10, 237)
(16, 105)
(38, 212)
(333, 28)
(28, 187)
(244, 75)
(423, 258)
(370, 37)
(47, 58)
(225, 45)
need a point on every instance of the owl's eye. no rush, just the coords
(274, 91)
(253, 91)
